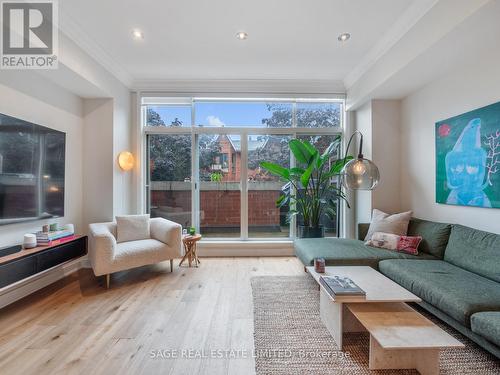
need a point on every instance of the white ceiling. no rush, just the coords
(195, 39)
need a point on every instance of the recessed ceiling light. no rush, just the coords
(137, 34)
(344, 37)
(241, 35)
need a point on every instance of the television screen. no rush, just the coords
(31, 171)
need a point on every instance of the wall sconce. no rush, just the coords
(126, 160)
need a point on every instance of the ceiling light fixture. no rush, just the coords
(241, 35)
(344, 37)
(137, 34)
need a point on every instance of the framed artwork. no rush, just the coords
(468, 158)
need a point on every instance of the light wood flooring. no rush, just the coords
(75, 326)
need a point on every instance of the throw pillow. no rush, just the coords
(132, 228)
(389, 241)
(386, 223)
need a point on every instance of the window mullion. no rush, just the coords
(244, 186)
(294, 114)
(195, 183)
(293, 221)
(147, 175)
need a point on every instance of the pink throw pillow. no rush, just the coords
(389, 241)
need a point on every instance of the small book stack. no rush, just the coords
(338, 286)
(46, 238)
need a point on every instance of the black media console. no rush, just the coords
(22, 264)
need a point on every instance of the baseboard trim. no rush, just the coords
(245, 248)
(85, 262)
(22, 288)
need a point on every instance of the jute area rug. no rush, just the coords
(291, 339)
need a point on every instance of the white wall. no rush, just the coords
(459, 91)
(123, 190)
(363, 199)
(386, 134)
(98, 160)
(81, 74)
(379, 122)
(27, 95)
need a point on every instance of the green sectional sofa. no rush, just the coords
(456, 273)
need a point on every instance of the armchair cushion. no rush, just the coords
(139, 253)
(132, 228)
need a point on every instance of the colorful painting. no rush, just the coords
(468, 158)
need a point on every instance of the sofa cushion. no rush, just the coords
(387, 223)
(405, 244)
(434, 236)
(487, 324)
(454, 291)
(475, 251)
(132, 228)
(346, 252)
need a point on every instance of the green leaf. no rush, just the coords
(306, 176)
(330, 148)
(300, 152)
(310, 148)
(336, 167)
(320, 161)
(276, 169)
(331, 213)
(297, 171)
(290, 215)
(332, 203)
(282, 201)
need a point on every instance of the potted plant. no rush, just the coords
(309, 190)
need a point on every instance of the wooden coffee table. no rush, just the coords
(189, 242)
(400, 337)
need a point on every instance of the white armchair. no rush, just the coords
(106, 255)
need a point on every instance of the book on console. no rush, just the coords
(55, 235)
(341, 286)
(54, 242)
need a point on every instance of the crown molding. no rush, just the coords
(405, 23)
(263, 86)
(74, 31)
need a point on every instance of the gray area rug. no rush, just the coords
(291, 339)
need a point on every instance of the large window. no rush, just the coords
(204, 161)
(220, 189)
(264, 218)
(170, 177)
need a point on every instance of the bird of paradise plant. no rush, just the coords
(309, 190)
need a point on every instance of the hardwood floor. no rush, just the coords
(76, 326)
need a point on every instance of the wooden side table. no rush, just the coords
(190, 249)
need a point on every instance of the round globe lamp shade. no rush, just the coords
(126, 160)
(360, 174)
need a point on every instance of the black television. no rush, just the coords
(32, 159)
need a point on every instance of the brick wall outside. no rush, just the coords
(219, 208)
(222, 208)
(262, 207)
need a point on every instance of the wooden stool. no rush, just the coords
(190, 249)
